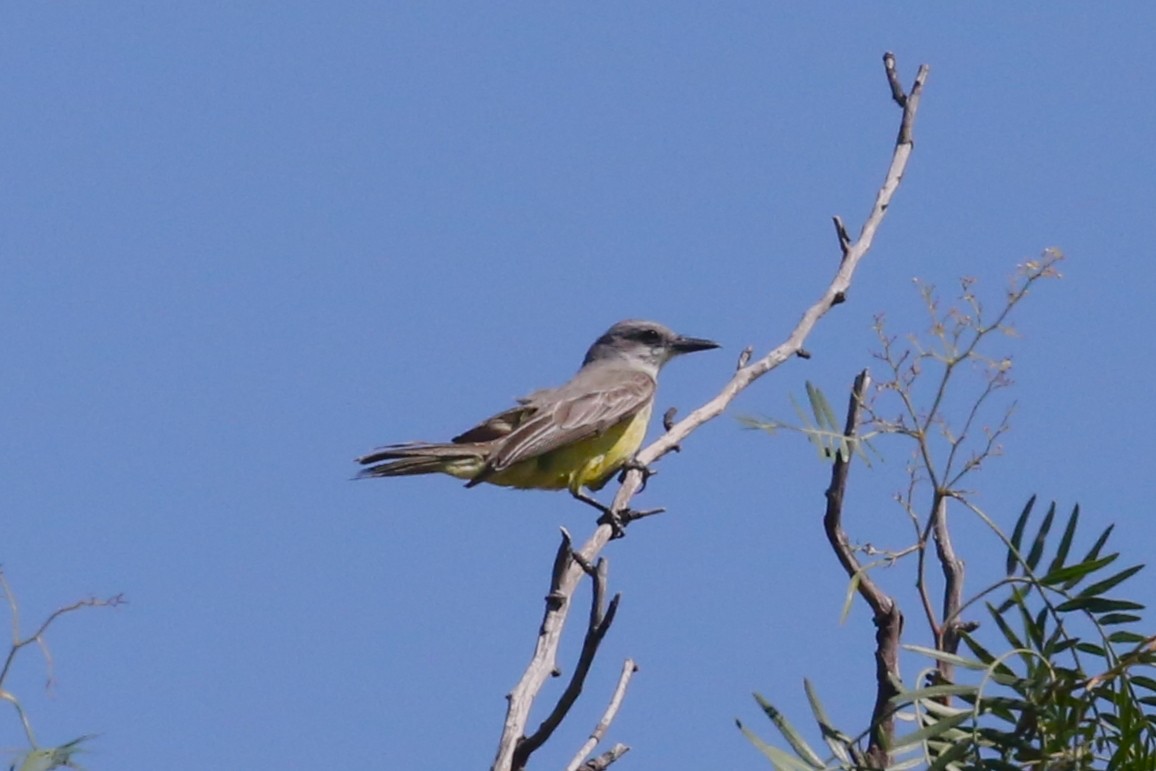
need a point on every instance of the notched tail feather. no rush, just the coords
(402, 467)
(397, 460)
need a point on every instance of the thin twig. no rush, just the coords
(628, 670)
(842, 234)
(522, 696)
(37, 637)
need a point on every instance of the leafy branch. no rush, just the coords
(40, 758)
(1054, 681)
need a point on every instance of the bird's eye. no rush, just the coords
(650, 337)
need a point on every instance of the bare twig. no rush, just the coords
(20, 642)
(601, 617)
(604, 760)
(842, 234)
(37, 637)
(886, 614)
(521, 697)
(893, 80)
(838, 287)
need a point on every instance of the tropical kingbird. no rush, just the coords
(574, 436)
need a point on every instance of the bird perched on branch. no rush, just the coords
(566, 438)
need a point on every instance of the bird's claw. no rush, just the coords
(633, 465)
(617, 523)
(618, 520)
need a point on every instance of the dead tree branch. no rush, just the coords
(604, 760)
(19, 642)
(886, 614)
(601, 617)
(542, 662)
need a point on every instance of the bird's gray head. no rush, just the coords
(644, 344)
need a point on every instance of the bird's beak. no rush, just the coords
(683, 344)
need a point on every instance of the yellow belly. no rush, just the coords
(586, 464)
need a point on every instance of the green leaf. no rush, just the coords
(1033, 627)
(793, 737)
(1118, 618)
(1015, 598)
(1041, 538)
(949, 658)
(1097, 605)
(48, 758)
(936, 691)
(1017, 536)
(986, 656)
(778, 758)
(816, 706)
(1145, 682)
(836, 739)
(1094, 552)
(824, 415)
(1072, 574)
(1124, 637)
(1102, 586)
(1066, 541)
(1009, 634)
(953, 753)
(804, 418)
(937, 728)
(848, 601)
(1090, 648)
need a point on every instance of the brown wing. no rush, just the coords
(497, 426)
(585, 407)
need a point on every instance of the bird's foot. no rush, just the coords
(633, 465)
(618, 520)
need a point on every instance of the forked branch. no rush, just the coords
(851, 253)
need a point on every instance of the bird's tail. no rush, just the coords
(395, 460)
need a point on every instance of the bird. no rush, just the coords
(575, 436)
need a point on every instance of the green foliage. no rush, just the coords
(821, 428)
(1064, 689)
(46, 759)
(1044, 669)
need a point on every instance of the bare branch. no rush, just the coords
(834, 293)
(948, 637)
(886, 614)
(37, 637)
(599, 624)
(19, 642)
(521, 697)
(604, 760)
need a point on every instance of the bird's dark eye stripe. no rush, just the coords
(649, 336)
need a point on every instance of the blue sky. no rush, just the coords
(241, 245)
